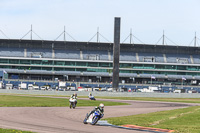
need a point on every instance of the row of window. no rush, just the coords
(97, 70)
(59, 63)
(99, 64)
(162, 68)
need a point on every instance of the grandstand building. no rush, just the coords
(92, 62)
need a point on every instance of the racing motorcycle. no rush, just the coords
(92, 118)
(72, 103)
(92, 98)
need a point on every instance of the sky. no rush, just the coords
(179, 19)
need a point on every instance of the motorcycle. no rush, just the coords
(92, 98)
(72, 103)
(93, 118)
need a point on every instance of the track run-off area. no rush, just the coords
(66, 120)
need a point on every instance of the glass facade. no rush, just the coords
(57, 65)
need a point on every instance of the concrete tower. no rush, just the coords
(116, 53)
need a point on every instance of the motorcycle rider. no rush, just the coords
(74, 96)
(90, 95)
(100, 108)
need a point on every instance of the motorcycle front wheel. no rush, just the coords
(85, 121)
(70, 105)
(95, 120)
(74, 105)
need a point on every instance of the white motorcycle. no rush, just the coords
(72, 103)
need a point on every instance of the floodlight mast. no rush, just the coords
(116, 53)
(163, 42)
(195, 40)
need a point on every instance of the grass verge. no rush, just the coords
(29, 101)
(13, 131)
(186, 120)
(182, 100)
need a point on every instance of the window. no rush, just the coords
(81, 69)
(3, 61)
(148, 66)
(59, 69)
(124, 71)
(192, 68)
(25, 61)
(170, 67)
(4, 66)
(59, 63)
(37, 62)
(35, 68)
(96, 70)
(80, 63)
(91, 64)
(14, 61)
(125, 65)
(160, 67)
(24, 67)
(103, 64)
(47, 62)
(181, 67)
(47, 68)
(69, 69)
(70, 63)
(137, 66)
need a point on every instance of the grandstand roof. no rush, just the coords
(146, 48)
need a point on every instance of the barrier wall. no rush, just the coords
(96, 93)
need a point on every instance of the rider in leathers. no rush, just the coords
(100, 108)
(74, 96)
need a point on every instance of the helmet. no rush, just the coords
(75, 94)
(101, 105)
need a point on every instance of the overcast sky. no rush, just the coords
(147, 18)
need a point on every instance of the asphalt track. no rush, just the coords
(66, 120)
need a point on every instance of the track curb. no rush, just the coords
(135, 127)
(149, 128)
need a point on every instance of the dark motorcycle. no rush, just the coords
(93, 118)
(92, 98)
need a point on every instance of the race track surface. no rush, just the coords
(66, 120)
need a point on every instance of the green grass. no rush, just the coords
(186, 120)
(31, 101)
(13, 131)
(183, 100)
